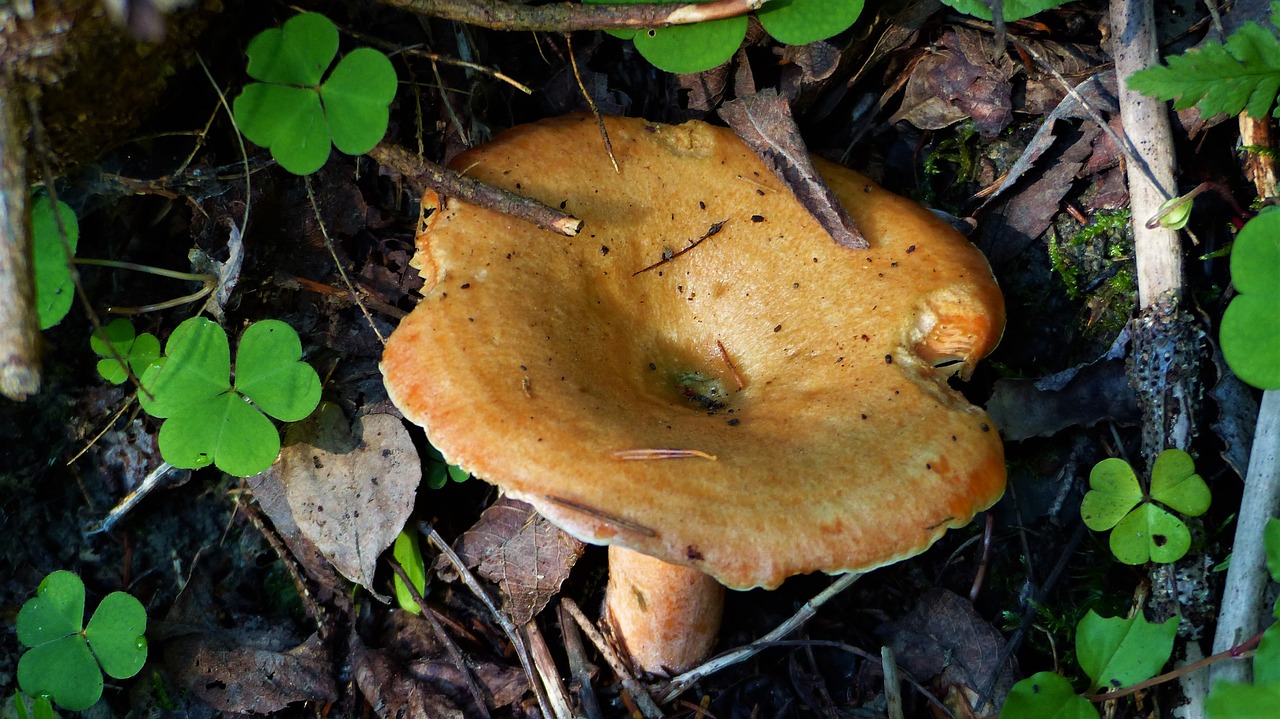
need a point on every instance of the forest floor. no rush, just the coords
(922, 102)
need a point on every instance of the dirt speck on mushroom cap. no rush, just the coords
(814, 374)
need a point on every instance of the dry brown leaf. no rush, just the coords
(960, 80)
(394, 693)
(763, 120)
(525, 554)
(248, 673)
(352, 501)
(945, 638)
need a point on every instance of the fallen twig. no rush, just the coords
(567, 17)
(642, 699)
(679, 684)
(508, 628)
(423, 174)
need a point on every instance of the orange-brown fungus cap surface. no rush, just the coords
(804, 383)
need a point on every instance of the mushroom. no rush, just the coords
(702, 379)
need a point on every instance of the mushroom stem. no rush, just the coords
(664, 616)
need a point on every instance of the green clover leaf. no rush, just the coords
(1142, 531)
(1150, 533)
(800, 22)
(54, 288)
(1250, 333)
(63, 659)
(439, 471)
(138, 351)
(1046, 695)
(1013, 9)
(211, 422)
(299, 118)
(1175, 484)
(1119, 652)
(1114, 493)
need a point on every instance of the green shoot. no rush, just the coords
(66, 659)
(1142, 530)
(1241, 75)
(210, 421)
(138, 351)
(1013, 9)
(54, 288)
(704, 45)
(1250, 332)
(296, 112)
(409, 556)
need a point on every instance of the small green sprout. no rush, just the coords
(296, 115)
(139, 351)
(439, 472)
(409, 556)
(54, 288)
(66, 659)
(210, 421)
(1250, 332)
(1142, 530)
(1013, 9)
(41, 707)
(704, 45)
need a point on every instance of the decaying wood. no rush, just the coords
(566, 17)
(19, 329)
(423, 174)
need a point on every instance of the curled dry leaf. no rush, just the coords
(526, 555)
(352, 501)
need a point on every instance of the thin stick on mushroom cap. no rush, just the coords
(702, 375)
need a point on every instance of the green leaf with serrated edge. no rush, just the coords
(197, 369)
(1266, 660)
(116, 635)
(1243, 701)
(1119, 652)
(1013, 9)
(1271, 544)
(54, 288)
(227, 432)
(1175, 484)
(271, 373)
(1114, 491)
(1242, 75)
(1046, 695)
(1250, 331)
(356, 97)
(56, 610)
(800, 22)
(65, 670)
(409, 556)
(297, 53)
(1150, 533)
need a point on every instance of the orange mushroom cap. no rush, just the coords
(804, 383)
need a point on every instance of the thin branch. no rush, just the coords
(508, 628)
(567, 17)
(679, 684)
(443, 637)
(642, 699)
(19, 328)
(423, 174)
(711, 232)
(1247, 577)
